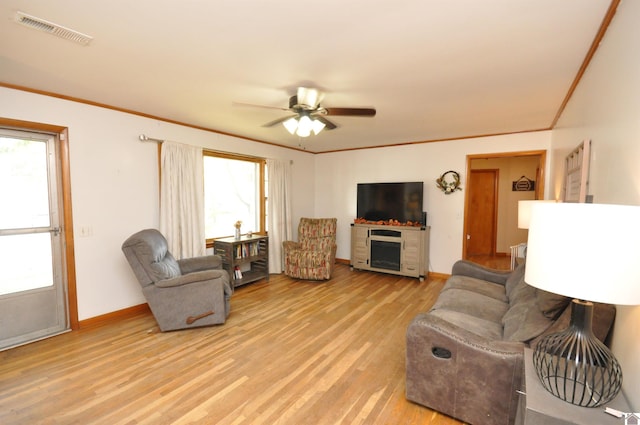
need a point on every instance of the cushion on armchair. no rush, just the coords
(323, 243)
(302, 258)
(151, 253)
(167, 268)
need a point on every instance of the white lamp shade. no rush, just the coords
(291, 124)
(585, 251)
(317, 126)
(524, 211)
(304, 126)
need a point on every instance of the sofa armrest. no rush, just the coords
(195, 264)
(290, 245)
(467, 268)
(186, 279)
(462, 374)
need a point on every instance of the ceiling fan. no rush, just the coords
(309, 115)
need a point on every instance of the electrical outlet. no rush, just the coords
(86, 231)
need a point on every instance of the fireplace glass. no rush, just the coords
(385, 255)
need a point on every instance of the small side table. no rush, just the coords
(539, 407)
(245, 259)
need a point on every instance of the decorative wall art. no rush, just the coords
(576, 174)
(449, 182)
(523, 184)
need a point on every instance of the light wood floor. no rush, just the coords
(291, 352)
(498, 262)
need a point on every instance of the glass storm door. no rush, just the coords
(32, 281)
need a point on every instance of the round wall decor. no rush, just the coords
(449, 182)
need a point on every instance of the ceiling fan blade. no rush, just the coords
(278, 121)
(253, 105)
(353, 112)
(328, 125)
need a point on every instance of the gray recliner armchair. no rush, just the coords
(186, 293)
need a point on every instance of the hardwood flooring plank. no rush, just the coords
(291, 352)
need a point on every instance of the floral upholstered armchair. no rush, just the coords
(313, 256)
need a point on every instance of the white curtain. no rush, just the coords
(279, 211)
(182, 199)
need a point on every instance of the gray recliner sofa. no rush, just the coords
(465, 355)
(185, 293)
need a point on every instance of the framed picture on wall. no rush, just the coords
(576, 175)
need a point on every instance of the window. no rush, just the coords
(234, 190)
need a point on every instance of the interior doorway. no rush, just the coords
(494, 187)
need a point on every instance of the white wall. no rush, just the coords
(606, 109)
(114, 185)
(338, 173)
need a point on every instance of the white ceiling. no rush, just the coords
(433, 69)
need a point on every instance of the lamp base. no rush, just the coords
(574, 365)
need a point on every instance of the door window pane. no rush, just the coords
(23, 171)
(26, 262)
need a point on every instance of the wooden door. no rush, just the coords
(482, 213)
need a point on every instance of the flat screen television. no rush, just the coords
(390, 201)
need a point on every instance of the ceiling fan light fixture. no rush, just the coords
(305, 125)
(291, 125)
(309, 115)
(309, 98)
(318, 126)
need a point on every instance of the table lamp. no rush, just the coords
(524, 211)
(588, 252)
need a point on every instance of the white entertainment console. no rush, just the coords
(401, 250)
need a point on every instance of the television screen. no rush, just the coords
(390, 201)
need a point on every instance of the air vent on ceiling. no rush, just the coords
(51, 28)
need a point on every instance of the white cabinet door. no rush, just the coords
(359, 247)
(411, 249)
